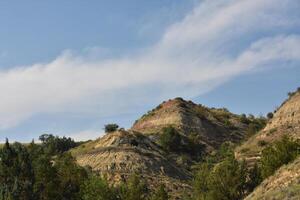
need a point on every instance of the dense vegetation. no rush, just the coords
(47, 171)
(222, 177)
(280, 153)
(172, 141)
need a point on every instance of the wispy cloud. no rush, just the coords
(216, 41)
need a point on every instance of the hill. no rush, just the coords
(212, 126)
(122, 153)
(119, 154)
(286, 121)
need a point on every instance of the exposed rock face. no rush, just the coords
(119, 154)
(286, 121)
(214, 126)
(283, 185)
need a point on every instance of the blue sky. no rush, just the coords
(69, 67)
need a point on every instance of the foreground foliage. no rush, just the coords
(47, 172)
(280, 153)
(222, 177)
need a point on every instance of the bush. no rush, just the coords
(160, 194)
(278, 154)
(133, 189)
(270, 115)
(226, 180)
(170, 139)
(262, 143)
(111, 128)
(96, 188)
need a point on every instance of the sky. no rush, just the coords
(70, 67)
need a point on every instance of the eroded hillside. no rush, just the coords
(286, 121)
(213, 126)
(122, 153)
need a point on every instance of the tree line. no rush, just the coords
(47, 171)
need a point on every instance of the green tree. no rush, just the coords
(133, 189)
(170, 139)
(254, 178)
(96, 188)
(201, 182)
(111, 128)
(71, 176)
(47, 183)
(54, 144)
(160, 194)
(278, 154)
(228, 180)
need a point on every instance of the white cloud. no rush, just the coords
(215, 42)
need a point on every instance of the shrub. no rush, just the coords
(96, 188)
(262, 143)
(278, 154)
(111, 128)
(133, 189)
(170, 139)
(270, 115)
(227, 180)
(244, 119)
(160, 194)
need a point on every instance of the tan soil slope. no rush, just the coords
(286, 120)
(283, 185)
(120, 154)
(214, 126)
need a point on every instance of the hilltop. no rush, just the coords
(212, 126)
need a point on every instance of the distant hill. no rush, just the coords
(213, 126)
